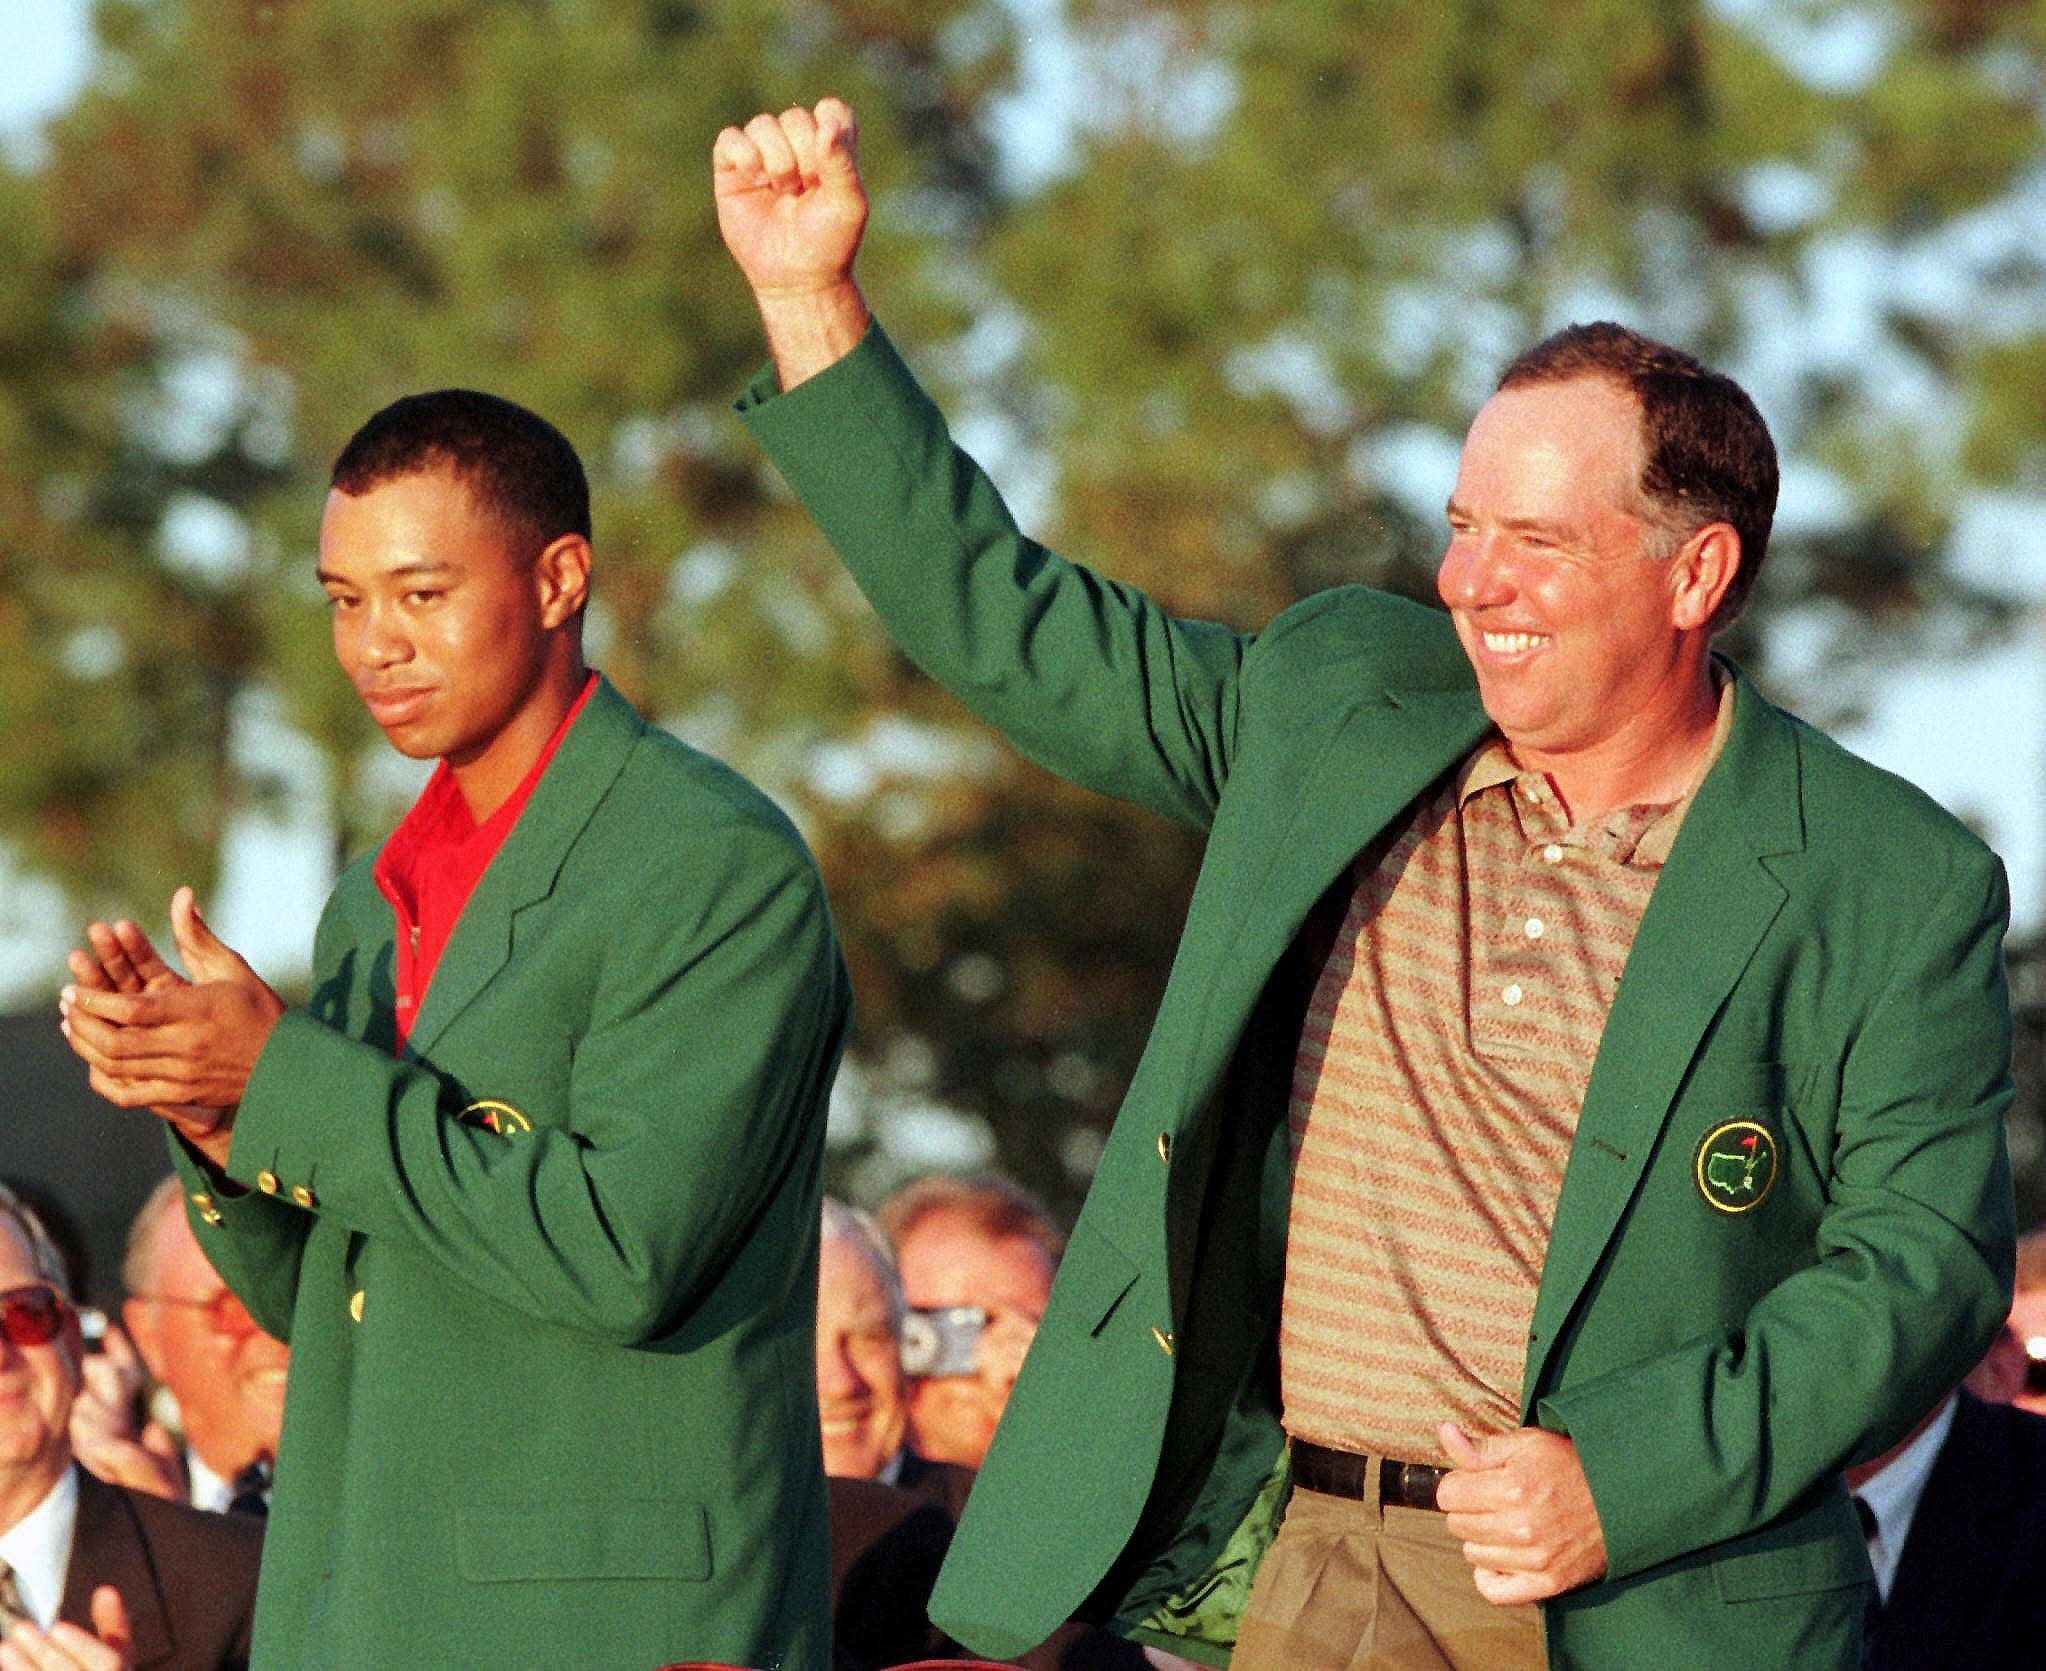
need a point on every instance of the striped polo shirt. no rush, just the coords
(1444, 1059)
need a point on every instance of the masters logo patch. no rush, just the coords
(1736, 1166)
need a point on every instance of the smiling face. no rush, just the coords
(37, 1387)
(1580, 622)
(228, 1380)
(461, 646)
(860, 1392)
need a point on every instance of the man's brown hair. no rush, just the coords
(1707, 453)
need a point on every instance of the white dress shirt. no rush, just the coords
(209, 1490)
(1892, 1496)
(38, 1548)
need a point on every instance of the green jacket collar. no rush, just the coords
(582, 771)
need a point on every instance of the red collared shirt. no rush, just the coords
(434, 859)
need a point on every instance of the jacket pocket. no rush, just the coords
(1798, 1569)
(513, 1542)
(1094, 1277)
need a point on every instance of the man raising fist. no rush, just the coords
(1573, 1127)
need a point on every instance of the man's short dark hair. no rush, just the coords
(1709, 457)
(516, 465)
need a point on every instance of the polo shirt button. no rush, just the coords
(1552, 854)
(1513, 994)
(303, 1196)
(1536, 928)
(355, 1305)
(266, 1181)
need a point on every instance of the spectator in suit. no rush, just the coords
(94, 1577)
(891, 1513)
(981, 1243)
(1955, 1514)
(860, 1394)
(892, 1510)
(193, 1337)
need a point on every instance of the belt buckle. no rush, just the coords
(1409, 1485)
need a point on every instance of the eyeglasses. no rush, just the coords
(31, 1315)
(225, 1315)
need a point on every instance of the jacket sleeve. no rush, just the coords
(1089, 678)
(253, 1240)
(715, 1025)
(1911, 1281)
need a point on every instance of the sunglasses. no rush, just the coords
(225, 1315)
(31, 1315)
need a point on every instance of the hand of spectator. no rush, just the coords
(106, 1435)
(108, 1646)
(1524, 1510)
(187, 1049)
(1004, 1343)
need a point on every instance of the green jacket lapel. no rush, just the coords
(1713, 903)
(524, 870)
(1380, 755)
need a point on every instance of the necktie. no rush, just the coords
(250, 1490)
(11, 1609)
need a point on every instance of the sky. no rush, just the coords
(46, 60)
(1969, 727)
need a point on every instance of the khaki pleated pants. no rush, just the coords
(1348, 1586)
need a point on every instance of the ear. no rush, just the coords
(72, 1335)
(139, 1318)
(1702, 570)
(561, 575)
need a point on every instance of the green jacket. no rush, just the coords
(1821, 958)
(549, 1279)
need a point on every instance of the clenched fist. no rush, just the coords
(791, 210)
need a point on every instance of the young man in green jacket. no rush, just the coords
(1572, 1130)
(531, 1185)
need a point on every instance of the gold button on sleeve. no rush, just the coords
(1165, 1146)
(266, 1181)
(355, 1305)
(211, 1215)
(302, 1195)
(1164, 1339)
(202, 1203)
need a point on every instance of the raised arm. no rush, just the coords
(791, 209)
(1091, 679)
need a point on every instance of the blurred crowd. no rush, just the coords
(136, 1447)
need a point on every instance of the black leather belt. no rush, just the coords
(1337, 1473)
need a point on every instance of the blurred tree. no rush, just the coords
(1213, 343)
(116, 669)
